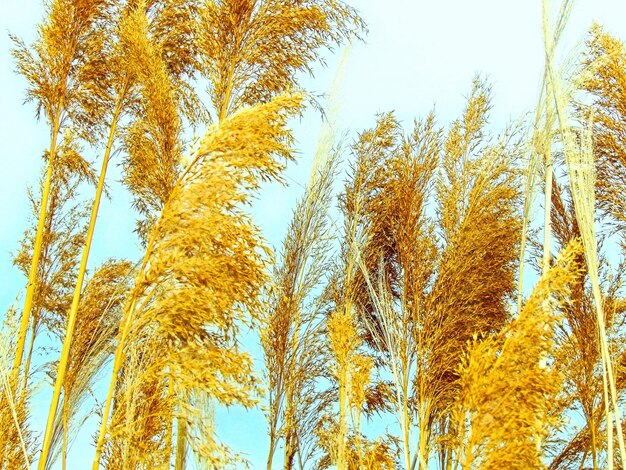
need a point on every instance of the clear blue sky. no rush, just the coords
(418, 55)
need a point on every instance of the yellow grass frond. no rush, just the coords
(201, 275)
(253, 50)
(507, 383)
(96, 330)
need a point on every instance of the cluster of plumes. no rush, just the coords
(139, 428)
(431, 234)
(124, 71)
(577, 337)
(412, 319)
(100, 305)
(152, 141)
(479, 218)
(201, 228)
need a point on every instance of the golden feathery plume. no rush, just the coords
(204, 245)
(253, 50)
(507, 384)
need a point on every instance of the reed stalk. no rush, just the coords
(32, 275)
(71, 317)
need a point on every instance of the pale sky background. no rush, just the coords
(418, 55)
